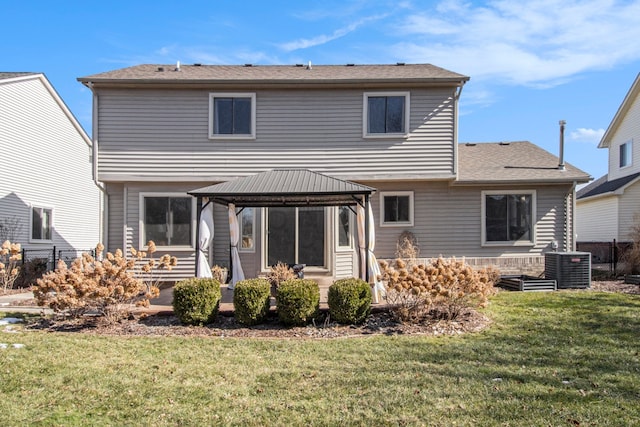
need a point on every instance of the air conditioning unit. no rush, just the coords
(570, 270)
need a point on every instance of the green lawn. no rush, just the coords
(549, 359)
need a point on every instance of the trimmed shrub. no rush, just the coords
(251, 301)
(298, 301)
(196, 301)
(349, 301)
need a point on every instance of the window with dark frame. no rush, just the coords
(232, 116)
(508, 217)
(385, 114)
(167, 220)
(41, 223)
(397, 208)
(625, 154)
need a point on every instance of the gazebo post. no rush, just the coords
(197, 242)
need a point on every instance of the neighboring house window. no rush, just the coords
(41, 224)
(246, 220)
(167, 219)
(386, 114)
(344, 227)
(625, 154)
(508, 217)
(396, 208)
(232, 115)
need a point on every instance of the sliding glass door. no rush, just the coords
(296, 236)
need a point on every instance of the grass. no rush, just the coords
(549, 359)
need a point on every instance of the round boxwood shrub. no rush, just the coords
(196, 301)
(251, 301)
(298, 301)
(349, 301)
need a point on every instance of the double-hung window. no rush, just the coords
(41, 224)
(232, 115)
(396, 208)
(508, 217)
(386, 114)
(167, 219)
(625, 154)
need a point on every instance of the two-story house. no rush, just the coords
(387, 132)
(49, 201)
(609, 206)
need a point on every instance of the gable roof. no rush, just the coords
(150, 74)
(621, 113)
(603, 186)
(10, 75)
(512, 162)
(285, 187)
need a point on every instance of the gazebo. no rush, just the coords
(291, 188)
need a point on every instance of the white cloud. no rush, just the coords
(587, 135)
(325, 38)
(535, 43)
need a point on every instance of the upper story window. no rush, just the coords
(508, 217)
(41, 224)
(167, 219)
(396, 208)
(386, 114)
(625, 154)
(232, 115)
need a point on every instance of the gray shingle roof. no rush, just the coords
(602, 185)
(150, 73)
(512, 162)
(10, 75)
(290, 187)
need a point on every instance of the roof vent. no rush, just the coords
(178, 66)
(505, 143)
(351, 65)
(309, 66)
(248, 65)
(470, 144)
(197, 64)
(299, 65)
(160, 68)
(400, 63)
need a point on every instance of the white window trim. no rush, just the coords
(346, 248)
(365, 115)
(398, 223)
(37, 206)
(628, 165)
(253, 234)
(213, 96)
(141, 243)
(483, 218)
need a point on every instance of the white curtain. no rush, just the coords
(372, 262)
(234, 231)
(204, 240)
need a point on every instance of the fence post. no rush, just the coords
(615, 256)
(54, 258)
(24, 253)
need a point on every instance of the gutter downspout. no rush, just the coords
(456, 98)
(104, 218)
(573, 218)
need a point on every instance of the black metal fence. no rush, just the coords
(50, 257)
(606, 254)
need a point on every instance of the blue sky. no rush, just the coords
(531, 63)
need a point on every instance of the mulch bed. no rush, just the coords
(379, 322)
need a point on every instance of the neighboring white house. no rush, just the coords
(48, 198)
(606, 208)
(163, 131)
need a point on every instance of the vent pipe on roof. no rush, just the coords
(561, 155)
(309, 66)
(178, 66)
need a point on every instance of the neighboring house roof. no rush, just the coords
(409, 74)
(621, 113)
(285, 187)
(512, 162)
(603, 186)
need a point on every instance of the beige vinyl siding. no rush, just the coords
(448, 220)
(152, 134)
(46, 162)
(115, 222)
(629, 214)
(629, 129)
(346, 265)
(597, 219)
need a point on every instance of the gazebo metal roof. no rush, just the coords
(286, 187)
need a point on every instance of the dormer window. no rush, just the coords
(386, 114)
(625, 154)
(232, 115)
